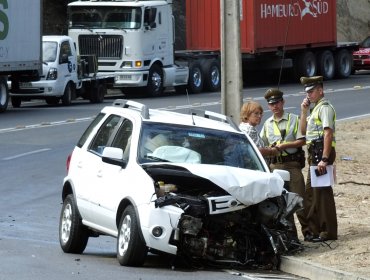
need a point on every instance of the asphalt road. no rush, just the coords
(35, 141)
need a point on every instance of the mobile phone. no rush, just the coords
(318, 174)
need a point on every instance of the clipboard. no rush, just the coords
(326, 180)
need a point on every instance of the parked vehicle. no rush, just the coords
(20, 44)
(135, 40)
(361, 58)
(66, 76)
(191, 185)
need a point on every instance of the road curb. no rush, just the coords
(314, 271)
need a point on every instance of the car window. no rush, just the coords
(184, 144)
(89, 129)
(123, 138)
(105, 134)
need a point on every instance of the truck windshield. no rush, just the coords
(104, 17)
(49, 51)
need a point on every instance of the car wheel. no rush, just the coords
(131, 249)
(73, 235)
(306, 64)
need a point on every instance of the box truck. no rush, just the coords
(20, 44)
(65, 76)
(135, 40)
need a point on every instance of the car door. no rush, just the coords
(110, 180)
(91, 165)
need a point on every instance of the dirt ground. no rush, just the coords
(351, 252)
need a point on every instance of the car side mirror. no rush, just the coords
(112, 155)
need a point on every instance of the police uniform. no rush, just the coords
(320, 202)
(285, 130)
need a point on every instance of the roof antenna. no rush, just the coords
(284, 46)
(187, 95)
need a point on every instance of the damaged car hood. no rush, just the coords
(247, 186)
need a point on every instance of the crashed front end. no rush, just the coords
(229, 216)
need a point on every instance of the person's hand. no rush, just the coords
(305, 105)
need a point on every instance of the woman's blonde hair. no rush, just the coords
(248, 108)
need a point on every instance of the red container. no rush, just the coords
(266, 25)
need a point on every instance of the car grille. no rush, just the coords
(104, 47)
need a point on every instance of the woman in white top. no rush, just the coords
(250, 116)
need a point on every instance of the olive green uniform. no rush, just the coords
(290, 159)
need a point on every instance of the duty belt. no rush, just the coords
(287, 158)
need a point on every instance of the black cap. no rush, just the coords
(273, 95)
(310, 82)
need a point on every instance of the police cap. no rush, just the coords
(273, 95)
(310, 82)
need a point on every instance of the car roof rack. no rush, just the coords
(215, 116)
(124, 103)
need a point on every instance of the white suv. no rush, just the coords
(191, 185)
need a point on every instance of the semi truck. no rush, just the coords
(136, 41)
(66, 76)
(20, 44)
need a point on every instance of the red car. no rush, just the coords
(361, 58)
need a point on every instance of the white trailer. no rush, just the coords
(20, 44)
(66, 76)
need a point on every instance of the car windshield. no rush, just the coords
(49, 51)
(184, 144)
(104, 17)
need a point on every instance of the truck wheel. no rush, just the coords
(131, 250)
(16, 102)
(73, 235)
(155, 81)
(97, 93)
(325, 64)
(195, 83)
(4, 94)
(68, 94)
(343, 64)
(212, 75)
(306, 64)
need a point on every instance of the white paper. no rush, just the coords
(325, 180)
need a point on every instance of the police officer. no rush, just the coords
(282, 131)
(318, 124)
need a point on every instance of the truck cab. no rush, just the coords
(133, 39)
(59, 77)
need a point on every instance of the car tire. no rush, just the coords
(131, 249)
(73, 235)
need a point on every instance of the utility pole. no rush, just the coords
(231, 70)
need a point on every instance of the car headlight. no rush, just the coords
(52, 74)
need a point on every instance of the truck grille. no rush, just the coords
(104, 47)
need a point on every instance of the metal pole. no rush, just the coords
(231, 70)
